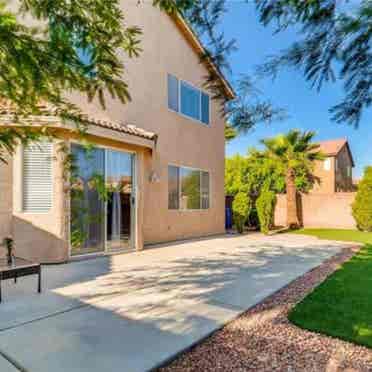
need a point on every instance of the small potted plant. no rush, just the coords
(9, 245)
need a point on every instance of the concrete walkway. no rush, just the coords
(132, 312)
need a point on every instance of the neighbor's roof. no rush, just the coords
(333, 147)
(198, 47)
(47, 114)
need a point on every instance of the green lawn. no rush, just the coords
(342, 305)
(338, 234)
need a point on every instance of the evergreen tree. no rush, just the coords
(362, 206)
(77, 45)
(249, 108)
(336, 44)
(230, 133)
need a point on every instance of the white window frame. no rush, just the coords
(199, 121)
(21, 207)
(179, 209)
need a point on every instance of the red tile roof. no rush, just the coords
(7, 109)
(332, 147)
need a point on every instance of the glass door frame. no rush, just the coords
(133, 211)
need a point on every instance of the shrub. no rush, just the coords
(241, 207)
(265, 205)
(253, 221)
(362, 206)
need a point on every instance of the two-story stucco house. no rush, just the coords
(334, 173)
(161, 157)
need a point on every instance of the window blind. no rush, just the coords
(37, 177)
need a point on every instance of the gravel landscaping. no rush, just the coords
(262, 339)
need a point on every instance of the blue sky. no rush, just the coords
(308, 109)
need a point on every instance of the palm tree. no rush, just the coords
(292, 152)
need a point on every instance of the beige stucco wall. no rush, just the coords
(40, 236)
(336, 179)
(320, 210)
(44, 237)
(182, 141)
(325, 179)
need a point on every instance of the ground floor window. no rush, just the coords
(37, 177)
(188, 188)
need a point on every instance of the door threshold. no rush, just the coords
(89, 256)
(122, 251)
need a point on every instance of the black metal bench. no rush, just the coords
(19, 267)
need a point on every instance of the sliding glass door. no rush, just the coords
(102, 200)
(119, 170)
(87, 205)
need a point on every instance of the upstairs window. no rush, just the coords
(37, 178)
(327, 164)
(173, 96)
(348, 171)
(188, 100)
(188, 188)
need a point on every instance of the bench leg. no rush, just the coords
(39, 281)
(15, 278)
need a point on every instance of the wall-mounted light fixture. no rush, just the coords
(154, 177)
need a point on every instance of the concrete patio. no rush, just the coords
(132, 312)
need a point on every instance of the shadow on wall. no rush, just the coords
(36, 244)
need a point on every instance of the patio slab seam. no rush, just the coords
(102, 300)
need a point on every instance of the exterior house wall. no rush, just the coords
(324, 178)
(40, 236)
(43, 237)
(338, 178)
(320, 210)
(182, 141)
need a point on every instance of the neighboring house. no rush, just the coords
(335, 172)
(328, 204)
(162, 157)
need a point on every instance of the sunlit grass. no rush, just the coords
(338, 234)
(342, 305)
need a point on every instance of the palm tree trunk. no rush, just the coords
(292, 212)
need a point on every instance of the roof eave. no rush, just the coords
(198, 47)
(95, 129)
(350, 154)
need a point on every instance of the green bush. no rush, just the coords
(253, 221)
(265, 205)
(241, 207)
(362, 206)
